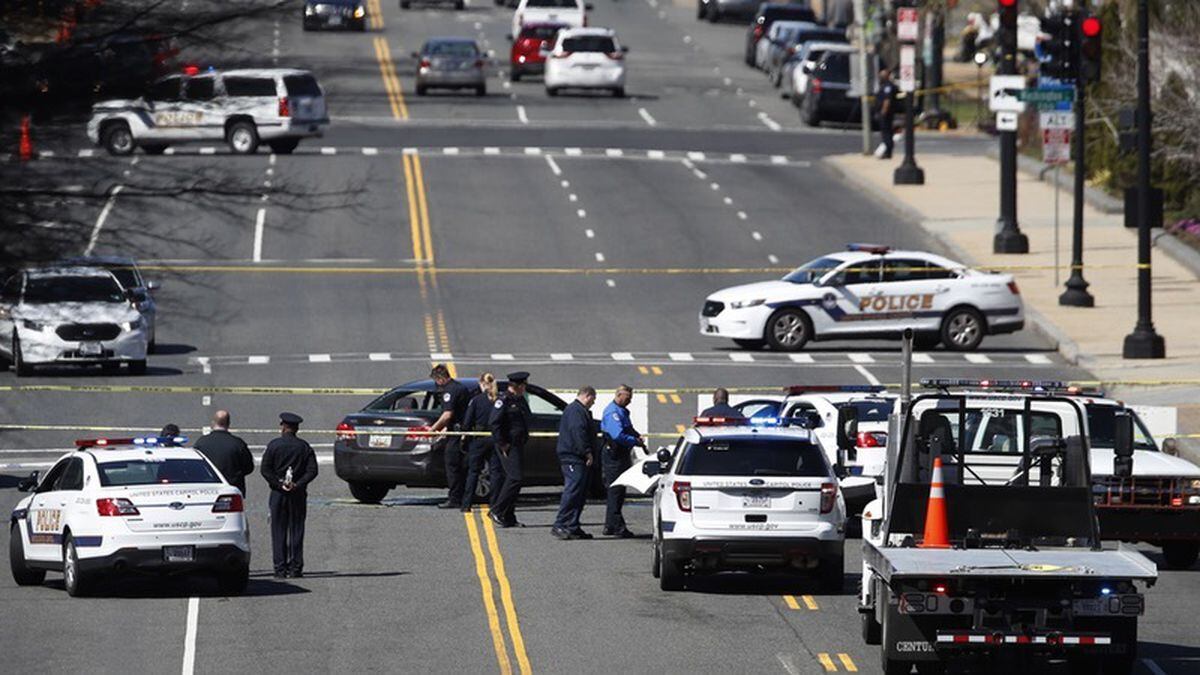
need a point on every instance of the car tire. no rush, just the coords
(481, 90)
(369, 493)
(420, 90)
(891, 666)
(242, 137)
(22, 574)
(154, 149)
(1180, 555)
(117, 139)
(872, 632)
(809, 113)
(670, 573)
(788, 330)
(234, 582)
(76, 581)
(832, 574)
(618, 92)
(655, 556)
(701, 9)
(753, 345)
(405, 4)
(21, 368)
(284, 147)
(460, 5)
(137, 367)
(714, 15)
(515, 75)
(551, 91)
(963, 329)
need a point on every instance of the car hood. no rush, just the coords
(766, 290)
(1145, 463)
(118, 104)
(83, 312)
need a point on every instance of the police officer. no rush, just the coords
(885, 110)
(227, 452)
(620, 438)
(288, 465)
(481, 448)
(576, 440)
(509, 422)
(720, 406)
(455, 398)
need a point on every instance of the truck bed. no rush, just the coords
(1046, 563)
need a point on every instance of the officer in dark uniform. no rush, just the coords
(720, 406)
(885, 110)
(227, 452)
(510, 430)
(455, 398)
(288, 465)
(481, 449)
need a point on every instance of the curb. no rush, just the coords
(1065, 346)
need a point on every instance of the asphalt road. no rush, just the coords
(575, 237)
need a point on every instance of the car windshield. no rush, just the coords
(589, 43)
(126, 276)
(155, 472)
(551, 3)
(50, 290)
(873, 410)
(466, 49)
(540, 32)
(1102, 429)
(812, 270)
(753, 457)
(836, 67)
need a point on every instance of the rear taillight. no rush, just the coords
(425, 63)
(758, 31)
(616, 56)
(229, 504)
(828, 496)
(871, 439)
(346, 432)
(815, 85)
(1012, 286)
(683, 494)
(478, 63)
(417, 433)
(285, 107)
(116, 507)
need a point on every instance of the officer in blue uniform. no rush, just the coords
(509, 422)
(575, 450)
(619, 440)
(454, 397)
(481, 449)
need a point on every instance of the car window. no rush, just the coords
(126, 276)
(909, 269)
(72, 477)
(400, 401)
(50, 480)
(249, 86)
(1001, 429)
(757, 457)
(301, 85)
(540, 32)
(812, 270)
(589, 43)
(872, 410)
(835, 66)
(539, 405)
(198, 89)
(1102, 429)
(11, 292)
(155, 472)
(466, 49)
(44, 291)
(165, 90)
(758, 408)
(861, 272)
(552, 3)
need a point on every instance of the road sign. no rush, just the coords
(1057, 119)
(1006, 121)
(1049, 98)
(908, 24)
(1003, 93)
(1056, 145)
(908, 68)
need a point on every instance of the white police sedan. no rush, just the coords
(117, 506)
(868, 291)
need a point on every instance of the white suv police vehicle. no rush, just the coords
(129, 505)
(70, 316)
(739, 496)
(276, 106)
(868, 291)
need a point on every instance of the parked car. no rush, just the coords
(716, 10)
(528, 54)
(345, 14)
(798, 67)
(767, 14)
(451, 63)
(778, 58)
(586, 58)
(827, 97)
(129, 275)
(776, 38)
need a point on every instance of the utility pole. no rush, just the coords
(1144, 342)
(1087, 31)
(864, 98)
(1009, 238)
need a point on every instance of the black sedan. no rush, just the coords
(347, 14)
(381, 447)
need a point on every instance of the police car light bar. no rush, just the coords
(756, 421)
(143, 441)
(878, 249)
(797, 389)
(1038, 386)
(720, 421)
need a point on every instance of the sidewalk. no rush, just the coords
(959, 205)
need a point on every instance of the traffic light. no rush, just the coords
(1089, 51)
(1006, 33)
(1057, 51)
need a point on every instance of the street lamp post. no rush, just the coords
(1009, 238)
(1143, 342)
(980, 59)
(1076, 293)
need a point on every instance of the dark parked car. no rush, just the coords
(345, 14)
(779, 55)
(828, 96)
(767, 14)
(380, 446)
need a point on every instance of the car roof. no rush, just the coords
(98, 261)
(470, 383)
(747, 432)
(263, 72)
(856, 256)
(125, 453)
(578, 32)
(67, 271)
(450, 39)
(826, 46)
(545, 24)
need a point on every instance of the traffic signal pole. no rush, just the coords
(1076, 293)
(1009, 238)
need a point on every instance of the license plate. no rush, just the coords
(90, 348)
(378, 441)
(179, 553)
(756, 501)
(335, 21)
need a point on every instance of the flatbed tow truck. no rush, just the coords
(1024, 582)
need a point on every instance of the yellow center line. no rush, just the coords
(375, 16)
(827, 662)
(391, 82)
(423, 203)
(510, 611)
(489, 603)
(809, 602)
(790, 601)
(847, 663)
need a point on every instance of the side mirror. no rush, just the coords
(415, 55)
(28, 483)
(153, 285)
(807, 68)
(491, 53)
(847, 428)
(651, 468)
(588, 6)
(624, 49)
(664, 456)
(1123, 445)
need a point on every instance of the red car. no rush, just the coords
(527, 57)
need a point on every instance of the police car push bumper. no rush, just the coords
(45, 345)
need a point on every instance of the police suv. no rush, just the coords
(276, 106)
(868, 291)
(129, 505)
(735, 495)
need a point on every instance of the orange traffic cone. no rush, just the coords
(937, 529)
(25, 151)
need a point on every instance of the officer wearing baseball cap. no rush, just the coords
(288, 465)
(510, 429)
